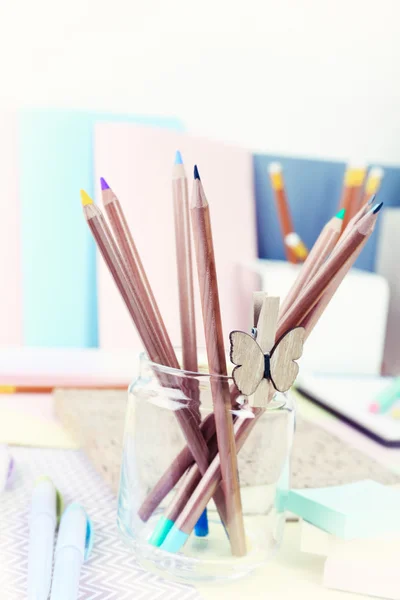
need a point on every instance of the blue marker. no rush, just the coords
(74, 544)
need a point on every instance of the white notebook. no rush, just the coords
(349, 398)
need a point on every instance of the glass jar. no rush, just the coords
(159, 478)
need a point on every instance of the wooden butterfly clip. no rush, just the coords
(259, 361)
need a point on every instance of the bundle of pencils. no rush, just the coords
(207, 466)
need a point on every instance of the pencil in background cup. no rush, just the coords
(387, 398)
(295, 243)
(285, 219)
(208, 283)
(74, 545)
(352, 190)
(46, 508)
(372, 184)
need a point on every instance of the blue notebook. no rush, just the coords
(314, 189)
(58, 254)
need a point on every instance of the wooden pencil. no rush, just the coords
(316, 312)
(207, 275)
(352, 189)
(136, 272)
(373, 184)
(199, 498)
(196, 491)
(282, 206)
(322, 248)
(298, 311)
(116, 266)
(184, 265)
(129, 275)
(172, 475)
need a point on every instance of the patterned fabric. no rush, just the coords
(111, 573)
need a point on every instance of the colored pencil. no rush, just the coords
(200, 489)
(373, 184)
(136, 308)
(184, 265)
(127, 270)
(215, 346)
(294, 242)
(316, 287)
(187, 315)
(319, 253)
(351, 224)
(282, 205)
(199, 498)
(352, 188)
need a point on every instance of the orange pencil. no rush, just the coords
(47, 389)
(352, 189)
(282, 205)
(373, 184)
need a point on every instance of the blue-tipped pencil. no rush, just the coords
(186, 295)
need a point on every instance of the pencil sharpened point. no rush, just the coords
(178, 158)
(104, 184)
(377, 208)
(86, 199)
(196, 172)
(341, 213)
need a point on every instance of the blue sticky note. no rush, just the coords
(58, 254)
(363, 509)
(314, 190)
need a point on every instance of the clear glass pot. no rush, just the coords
(160, 481)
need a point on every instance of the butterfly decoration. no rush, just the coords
(254, 369)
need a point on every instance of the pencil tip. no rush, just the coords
(340, 214)
(85, 198)
(178, 158)
(371, 200)
(104, 184)
(377, 208)
(196, 173)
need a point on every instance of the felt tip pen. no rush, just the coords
(46, 507)
(74, 544)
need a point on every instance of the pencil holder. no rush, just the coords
(163, 494)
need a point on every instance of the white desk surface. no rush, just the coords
(292, 572)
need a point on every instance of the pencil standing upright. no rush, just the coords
(184, 265)
(373, 184)
(352, 189)
(185, 288)
(282, 205)
(207, 274)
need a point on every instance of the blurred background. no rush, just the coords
(311, 84)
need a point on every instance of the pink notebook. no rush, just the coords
(10, 238)
(137, 163)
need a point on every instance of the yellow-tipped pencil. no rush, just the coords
(295, 243)
(352, 187)
(373, 183)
